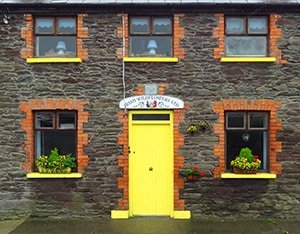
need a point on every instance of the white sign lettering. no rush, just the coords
(151, 102)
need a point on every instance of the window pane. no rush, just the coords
(162, 25)
(66, 120)
(258, 120)
(150, 117)
(256, 141)
(141, 46)
(50, 46)
(67, 26)
(246, 46)
(235, 120)
(235, 26)
(257, 25)
(65, 141)
(139, 25)
(44, 120)
(44, 26)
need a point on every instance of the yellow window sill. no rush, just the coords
(248, 176)
(248, 59)
(53, 60)
(151, 60)
(36, 175)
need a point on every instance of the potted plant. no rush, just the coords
(193, 174)
(55, 163)
(245, 162)
(192, 128)
(203, 125)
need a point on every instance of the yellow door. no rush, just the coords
(151, 163)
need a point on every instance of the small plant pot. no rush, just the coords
(192, 177)
(203, 125)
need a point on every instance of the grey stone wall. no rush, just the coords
(199, 80)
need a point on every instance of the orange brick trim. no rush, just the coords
(254, 105)
(275, 34)
(178, 160)
(28, 34)
(53, 104)
(178, 35)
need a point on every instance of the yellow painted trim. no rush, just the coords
(248, 59)
(182, 214)
(248, 176)
(151, 60)
(36, 175)
(119, 214)
(53, 60)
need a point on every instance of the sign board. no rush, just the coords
(151, 102)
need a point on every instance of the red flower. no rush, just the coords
(255, 158)
(195, 168)
(201, 173)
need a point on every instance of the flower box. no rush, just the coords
(241, 171)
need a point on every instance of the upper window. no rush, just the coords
(151, 37)
(55, 129)
(247, 129)
(246, 36)
(55, 36)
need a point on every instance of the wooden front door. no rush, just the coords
(151, 163)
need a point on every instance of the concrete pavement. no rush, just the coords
(150, 226)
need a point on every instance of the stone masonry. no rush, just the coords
(198, 78)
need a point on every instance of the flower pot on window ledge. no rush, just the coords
(55, 163)
(66, 170)
(240, 171)
(245, 162)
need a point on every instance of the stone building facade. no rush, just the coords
(94, 83)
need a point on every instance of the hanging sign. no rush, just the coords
(151, 102)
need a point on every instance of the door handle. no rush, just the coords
(150, 168)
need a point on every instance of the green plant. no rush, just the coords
(55, 163)
(246, 160)
(203, 124)
(192, 128)
(194, 171)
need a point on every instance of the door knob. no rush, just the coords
(150, 168)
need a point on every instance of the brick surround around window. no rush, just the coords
(178, 160)
(275, 34)
(178, 52)
(53, 104)
(28, 35)
(248, 105)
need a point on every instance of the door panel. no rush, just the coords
(151, 167)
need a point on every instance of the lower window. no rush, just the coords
(55, 129)
(247, 129)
